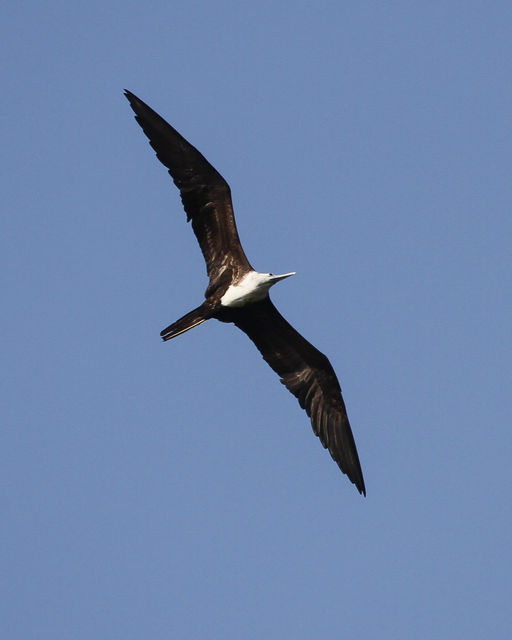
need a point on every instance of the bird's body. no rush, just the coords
(237, 293)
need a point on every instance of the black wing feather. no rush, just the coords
(308, 374)
(205, 194)
(305, 371)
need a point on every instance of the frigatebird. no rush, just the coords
(237, 293)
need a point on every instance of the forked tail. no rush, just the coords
(189, 321)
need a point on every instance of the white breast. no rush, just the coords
(251, 288)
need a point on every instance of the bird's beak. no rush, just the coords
(282, 277)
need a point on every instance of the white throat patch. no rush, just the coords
(252, 287)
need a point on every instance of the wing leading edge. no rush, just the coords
(308, 374)
(205, 194)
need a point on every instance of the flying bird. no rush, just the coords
(237, 293)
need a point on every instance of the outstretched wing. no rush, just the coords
(308, 374)
(205, 194)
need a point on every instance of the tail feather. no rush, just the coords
(187, 322)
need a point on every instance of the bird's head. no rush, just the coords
(252, 287)
(268, 280)
(276, 278)
(263, 281)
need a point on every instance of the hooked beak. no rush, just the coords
(282, 277)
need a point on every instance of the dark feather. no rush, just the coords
(308, 374)
(305, 371)
(205, 194)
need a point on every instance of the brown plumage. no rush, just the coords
(304, 371)
(205, 194)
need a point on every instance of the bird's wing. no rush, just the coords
(308, 374)
(205, 194)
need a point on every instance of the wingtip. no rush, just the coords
(359, 484)
(132, 98)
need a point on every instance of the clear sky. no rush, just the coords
(176, 490)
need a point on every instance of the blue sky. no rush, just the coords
(176, 490)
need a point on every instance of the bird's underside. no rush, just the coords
(304, 370)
